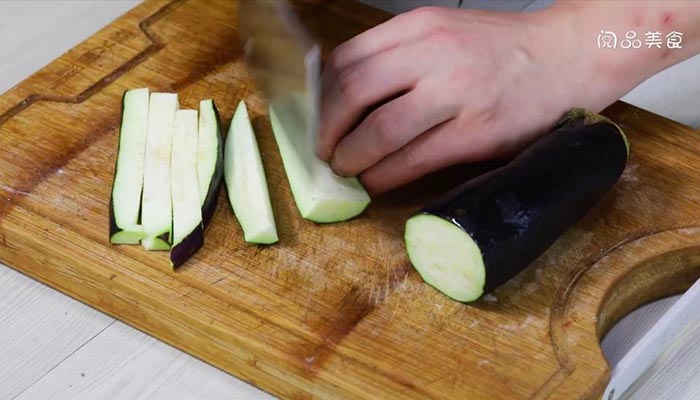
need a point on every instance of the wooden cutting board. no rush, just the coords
(332, 311)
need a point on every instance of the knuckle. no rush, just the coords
(348, 84)
(425, 15)
(413, 160)
(382, 127)
(334, 62)
(444, 38)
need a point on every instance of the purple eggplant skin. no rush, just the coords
(210, 201)
(182, 251)
(113, 228)
(517, 211)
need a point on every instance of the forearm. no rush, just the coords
(621, 69)
(627, 67)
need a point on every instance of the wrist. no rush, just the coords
(587, 74)
(636, 57)
(574, 72)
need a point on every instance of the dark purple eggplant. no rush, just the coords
(484, 232)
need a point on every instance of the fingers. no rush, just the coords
(403, 28)
(361, 86)
(338, 75)
(436, 149)
(389, 128)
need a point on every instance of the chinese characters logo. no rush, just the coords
(609, 40)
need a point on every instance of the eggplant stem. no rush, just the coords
(591, 118)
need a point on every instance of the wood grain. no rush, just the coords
(333, 311)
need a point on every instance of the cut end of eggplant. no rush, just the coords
(446, 257)
(127, 236)
(262, 237)
(155, 244)
(334, 210)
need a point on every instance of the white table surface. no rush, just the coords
(53, 347)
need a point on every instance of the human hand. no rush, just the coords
(456, 86)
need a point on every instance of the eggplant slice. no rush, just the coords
(210, 158)
(157, 202)
(187, 228)
(125, 202)
(245, 181)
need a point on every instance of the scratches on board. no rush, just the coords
(343, 318)
(221, 53)
(332, 329)
(51, 167)
(5, 243)
(13, 191)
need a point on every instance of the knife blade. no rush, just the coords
(285, 62)
(683, 315)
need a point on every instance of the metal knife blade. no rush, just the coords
(684, 314)
(285, 62)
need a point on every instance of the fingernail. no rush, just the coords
(335, 166)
